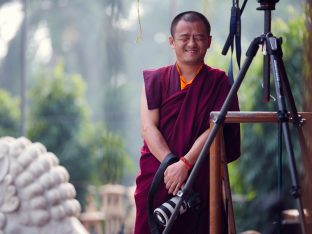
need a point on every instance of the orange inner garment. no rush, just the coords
(183, 82)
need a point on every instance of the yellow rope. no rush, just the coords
(139, 35)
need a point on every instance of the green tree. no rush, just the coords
(111, 161)
(9, 114)
(57, 114)
(60, 120)
(90, 37)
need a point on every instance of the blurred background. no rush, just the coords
(71, 74)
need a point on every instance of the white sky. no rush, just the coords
(11, 16)
(42, 43)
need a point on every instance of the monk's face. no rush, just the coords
(190, 42)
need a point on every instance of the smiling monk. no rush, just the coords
(176, 102)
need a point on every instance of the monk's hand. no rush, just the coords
(175, 176)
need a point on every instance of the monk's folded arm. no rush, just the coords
(192, 155)
(150, 132)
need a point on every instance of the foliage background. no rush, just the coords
(83, 74)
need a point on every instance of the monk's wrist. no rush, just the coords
(186, 163)
(171, 158)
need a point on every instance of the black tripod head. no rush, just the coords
(267, 4)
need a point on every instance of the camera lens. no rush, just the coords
(163, 213)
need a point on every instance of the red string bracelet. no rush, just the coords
(187, 164)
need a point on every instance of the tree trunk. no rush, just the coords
(307, 157)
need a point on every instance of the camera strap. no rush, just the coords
(158, 178)
(234, 34)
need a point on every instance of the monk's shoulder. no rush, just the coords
(157, 73)
(156, 82)
(217, 74)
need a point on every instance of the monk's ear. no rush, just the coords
(209, 41)
(171, 41)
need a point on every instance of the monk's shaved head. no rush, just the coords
(189, 16)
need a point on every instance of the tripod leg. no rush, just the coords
(276, 60)
(297, 119)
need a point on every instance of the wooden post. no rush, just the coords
(215, 184)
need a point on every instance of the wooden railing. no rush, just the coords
(219, 181)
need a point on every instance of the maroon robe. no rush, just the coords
(184, 116)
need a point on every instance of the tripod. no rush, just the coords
(274, 56)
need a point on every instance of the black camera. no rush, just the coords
(163, 213)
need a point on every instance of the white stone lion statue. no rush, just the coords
(35, 195)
